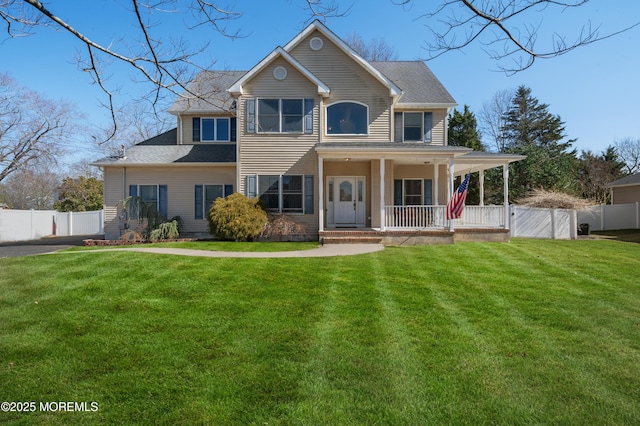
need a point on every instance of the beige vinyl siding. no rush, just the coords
(187, 128)
(113, 193)
(424, 172)
(277, 153)
(348, 80)
(438, 131)
(180, 183)
(626, 194)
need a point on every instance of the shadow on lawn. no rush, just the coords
(628, 235)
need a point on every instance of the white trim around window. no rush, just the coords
(347, 118)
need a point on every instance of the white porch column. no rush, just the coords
(320, 194)
(505, 177)
(481, 179)
(450, 188)
(436, 171)
(382, 218)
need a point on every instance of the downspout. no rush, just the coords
(179, 129)
(124, 183)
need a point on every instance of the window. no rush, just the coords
(210, 129)
(282, 193)
(413, 126)
(412, 192)
(205, 195)
(280, 115)
(153, 194)
(347, 118)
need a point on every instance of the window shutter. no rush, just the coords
(199, 202)
(397, 192)
(250, 107)
(397, 127)
(308, 194)
(228, 190)
(233, 129)
(133, 190)
(162, 201)
(428, 193)
(428, 124)
(196, 129)
(251, 189)
(308, 115)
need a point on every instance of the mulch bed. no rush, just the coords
(102, 243)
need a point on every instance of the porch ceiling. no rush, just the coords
(465, 159)
(476, 161)
(401, 153)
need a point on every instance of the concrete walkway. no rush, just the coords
(328, 250)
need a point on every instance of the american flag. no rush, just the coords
(456, 203)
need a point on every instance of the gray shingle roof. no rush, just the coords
(169, 137)
(629, 180)
(418, 83)
(162, 152)
(212, 86)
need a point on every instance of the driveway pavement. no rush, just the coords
(44, 245)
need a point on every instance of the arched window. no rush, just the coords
(347, 118)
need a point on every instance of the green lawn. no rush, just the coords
(526, 332)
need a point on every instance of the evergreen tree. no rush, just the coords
(531, 130)
(596, 171)
(463, 131)
(80, 194)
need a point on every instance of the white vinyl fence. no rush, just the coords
(21, 225)
(611, 217)
(563, 224)
(557, 224)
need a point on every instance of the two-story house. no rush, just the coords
(342, 145)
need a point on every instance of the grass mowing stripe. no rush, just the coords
(237, 341)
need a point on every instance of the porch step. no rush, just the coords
(350, 236)
(351, 240)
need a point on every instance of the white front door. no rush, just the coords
(345, 196)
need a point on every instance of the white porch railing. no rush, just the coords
(430, 217)
(481, 217)
(414, 216)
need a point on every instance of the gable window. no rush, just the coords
(206, 195)
(282, 193)
(153, 194)
(347, 118)
(279, 115)
(413, 127)
(211, 129)
(412, 192)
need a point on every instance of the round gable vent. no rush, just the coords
(316, 43)
(279, 73)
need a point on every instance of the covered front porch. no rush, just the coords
(394, 192)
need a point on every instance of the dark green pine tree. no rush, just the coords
(596, 171)
(463, 131)
(531, 130)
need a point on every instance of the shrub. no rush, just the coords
(236, 218)
(165, 231)
(282, 227)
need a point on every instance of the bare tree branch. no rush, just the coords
(32, 128)
(508, 29)
(168, 69)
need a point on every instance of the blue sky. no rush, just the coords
(594, 89)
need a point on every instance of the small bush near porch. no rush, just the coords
(526, 332)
